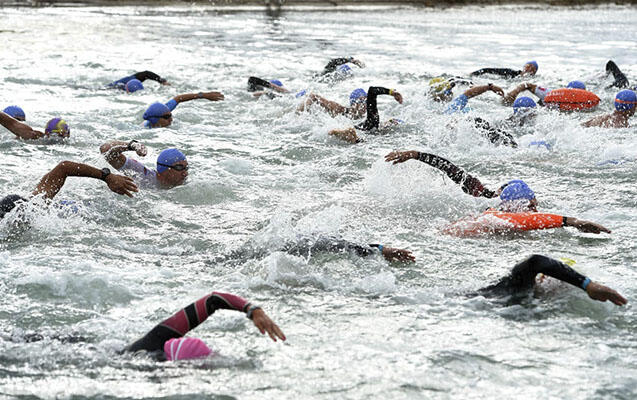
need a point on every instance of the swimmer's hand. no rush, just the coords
(398, 97)
(586, 226)
(600, 292)
(497, 90)
(400, 255)
(213, 96)
(139, 148)
(121, 184)
(358, 62)
(401, 156)
(265, 324)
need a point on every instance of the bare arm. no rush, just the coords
(52, 183)
(585, 226)
(478, 90)
(212, 96)
(332, 107)
(510, 97)
(113, 151)
(20, 129)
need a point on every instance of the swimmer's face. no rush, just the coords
(165, 120)
(359, 107)
(529, 69)
(176, 174)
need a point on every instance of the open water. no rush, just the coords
(261, 174)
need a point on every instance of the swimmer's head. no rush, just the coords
(576, 85)
(57, 126)
(172, 167)
(158, 113)
(625, 100)
(276, 82)
(440, 88)
(357, 96)
(8, 203)
(516, 189)
(530, 68)
(15, 112)
(523, 104)
(134, 85)
(185, 348)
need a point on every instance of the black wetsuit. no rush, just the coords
(256, 84)
(495, 135)
(373, 120)
(142, 76)
(306, 246)
(620, 79)
(503, 72)
(8, 203)
(522, 276)
(469, 184)
(335, 63)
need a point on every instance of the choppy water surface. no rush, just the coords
(262, 175)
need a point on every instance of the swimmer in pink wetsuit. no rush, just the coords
(166, 341)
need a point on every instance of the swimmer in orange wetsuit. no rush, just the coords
(518, 206)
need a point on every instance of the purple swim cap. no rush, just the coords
(625, 100)
(169, 157)
(57, 126)
(523, 103)
(185, 348)
(576, 85)
(134, 85)
(517, 190)
(154, 111)
(15, 112)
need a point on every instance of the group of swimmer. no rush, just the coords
(517, 207)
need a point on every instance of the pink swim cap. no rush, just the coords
(185, 348)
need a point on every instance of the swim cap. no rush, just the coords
(523, 102)
(517, 190)
(344, 69)
(540, 143)
(8, 203)
(57, 126)
(276, 82)
(625, 100)
(185, 348)
(134, 85)
(301, 93)
(15, 112)
(576, 85)
(533, 63)
(154, 111)
(357, 96)
(441, 84)
(169, 157)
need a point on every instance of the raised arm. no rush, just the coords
(52, 182)
(212, 96)
(113, 151)
(620, 79)
(373, 119)
(468, 183)
(336, 62)
(20, 129)
(191, 316)
(510, 97)
(143, 75)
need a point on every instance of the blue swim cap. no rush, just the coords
(344, 69)
(8, 203)
(517, 190)
(540, 143)
(301, 93)
(154, 111)
(625, 100)
(134, 85)
(276, 82)
(576, 85)
(169, 157)
(523, 102)
(533, 63)
(357, 96)
(15, 112)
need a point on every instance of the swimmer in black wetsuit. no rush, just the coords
(261, 87)
(334, 63)
(372, 122)
(530, 68)
(522, 278)
(140, 76)
(621, 81)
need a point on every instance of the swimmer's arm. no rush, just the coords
(509, 98)
(620, 79)
(393, 254)
(335, 62)
(332, 107)
(348, 135)
(373, 120)
(255, 84)
(505, 72)
(585, 226)
(597, 121)
(20, 129)
(52, 182)
(212, 96)
(478, 90)
(143, 75)
(113, 151)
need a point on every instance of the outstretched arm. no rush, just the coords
(257, 85)
(143, 75)
(468, 183)
(51, 183)
(20, 129)
(585, 226)
(212, 96)
(478, 90)
(113, 151)
(373, 119)
(504, 72)
(334, 63)
(510, 97)
(332, 107)
(334, 245)
(191, 316)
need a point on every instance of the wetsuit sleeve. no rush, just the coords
(188, 318)
(495, 135)
(620, 79)
(307, 246)
(504, 72)
(255, 84)
(523, 275)
(143, 75)
(334, 63)
(373, 119)
(469, 184)
(121, 83)
(171, 104)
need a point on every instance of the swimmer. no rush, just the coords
(356, 109)
(15, 112)
(440, 88)
(372, 123)
(159, 115)
(133, 82)
(166, 341)
(515, 196)
(55, 129)
(52, 183)
(172, 166)
(258, 86)
(621, 81)
(625, 102)
(337, 69)
(523, 278)
(529, 69)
